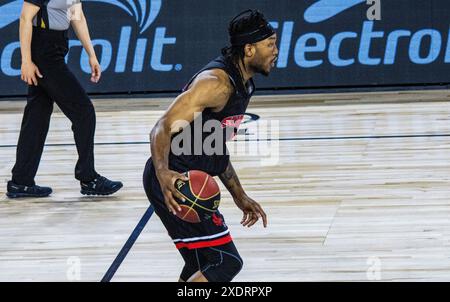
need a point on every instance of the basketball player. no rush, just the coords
(221, 92)
(44, 44)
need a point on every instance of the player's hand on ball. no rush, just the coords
(167, 180)
(252, 211)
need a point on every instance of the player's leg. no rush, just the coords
(192, 263)
(223, 263)
(172, 223)
(210, 262)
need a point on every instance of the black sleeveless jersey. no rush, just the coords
(229, 119)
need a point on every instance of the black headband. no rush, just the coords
(260, 34)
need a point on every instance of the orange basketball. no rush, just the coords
(202, 196)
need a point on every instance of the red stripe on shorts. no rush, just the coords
(207, 243)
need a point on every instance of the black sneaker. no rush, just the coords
(100, 186)
(16, 191)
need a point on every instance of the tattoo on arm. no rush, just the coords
(231, 181)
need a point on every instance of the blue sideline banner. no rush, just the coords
(157, 45)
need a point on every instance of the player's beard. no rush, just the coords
(258, 67)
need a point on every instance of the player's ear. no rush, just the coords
(249, 50)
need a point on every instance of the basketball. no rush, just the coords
(202, 196)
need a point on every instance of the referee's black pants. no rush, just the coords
(59, 85)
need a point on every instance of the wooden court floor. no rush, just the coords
(358, 189)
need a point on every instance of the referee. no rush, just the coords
(44, 45)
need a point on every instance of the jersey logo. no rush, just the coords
(232, 121)
(217, 220)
